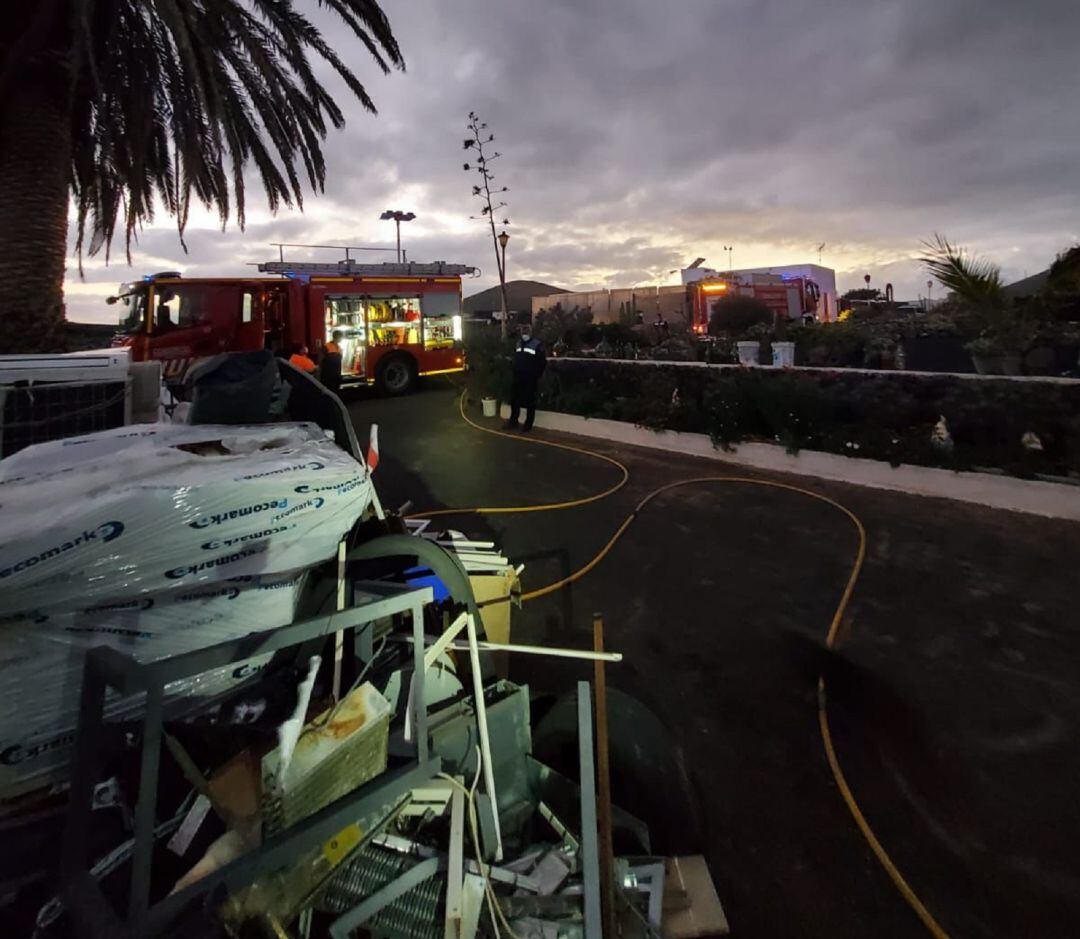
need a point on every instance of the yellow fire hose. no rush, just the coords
(880, 853)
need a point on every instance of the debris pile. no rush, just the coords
(307, 739)
(152, 540)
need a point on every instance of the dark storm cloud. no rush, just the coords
(640, 135)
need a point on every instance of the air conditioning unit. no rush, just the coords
(47, 397)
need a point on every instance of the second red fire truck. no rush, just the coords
(397, 321)
(789, 298)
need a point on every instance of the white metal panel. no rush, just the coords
(105, 366)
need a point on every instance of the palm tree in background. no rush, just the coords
(118, 104)
(975, 281)
(984, 307)
(1003, 320)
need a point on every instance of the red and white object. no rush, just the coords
(373, 449)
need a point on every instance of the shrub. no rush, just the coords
(839, 345)
(558, 324)
(729, 414)
(884, 417)
(736, 314)
(795, 411)
(676, 348)
(488, 357)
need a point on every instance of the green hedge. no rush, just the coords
(884, 417)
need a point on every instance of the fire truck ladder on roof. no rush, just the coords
(351, 267)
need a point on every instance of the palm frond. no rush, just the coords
(974, 280)
(174, 100)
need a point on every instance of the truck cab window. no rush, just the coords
(166, 312)
(133, 309)
(182, 306)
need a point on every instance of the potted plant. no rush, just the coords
(1005, 326)
(783, 349)
(986, 354)
(999, 351)
(749, 347)
(745, 318)
(489, 368)
(482, 383)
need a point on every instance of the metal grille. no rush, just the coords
(417, 914)
(38, 412)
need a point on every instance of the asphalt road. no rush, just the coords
(955, 703)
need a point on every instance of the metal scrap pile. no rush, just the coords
(357, 768)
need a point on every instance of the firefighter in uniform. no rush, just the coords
(330, 363)
(529, 364)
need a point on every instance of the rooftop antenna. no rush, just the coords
(820, 248)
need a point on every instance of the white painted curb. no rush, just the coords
(1052, 500)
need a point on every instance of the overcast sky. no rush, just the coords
(639, 135)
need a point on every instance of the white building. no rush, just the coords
(824, 277)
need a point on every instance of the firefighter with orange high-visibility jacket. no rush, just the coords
(529, 364)
(300, 359)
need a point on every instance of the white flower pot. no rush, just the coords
(488, 404)
(783, 354)
(748, 352)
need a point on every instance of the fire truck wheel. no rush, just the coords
(396, 375)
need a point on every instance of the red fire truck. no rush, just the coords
(397, 321)
(788, 297)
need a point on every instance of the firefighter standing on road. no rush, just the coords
(529, 364)
(330, 363)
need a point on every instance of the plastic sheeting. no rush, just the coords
(41, 659)
(166, 506)
(155, 540)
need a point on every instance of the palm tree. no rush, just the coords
(115, 105)
(975, 281)
(1002, 327)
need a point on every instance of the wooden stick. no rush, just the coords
(603, 785)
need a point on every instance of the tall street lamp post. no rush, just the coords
(503, 239)
(398, 216)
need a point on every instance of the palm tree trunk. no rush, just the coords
(35, 168)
